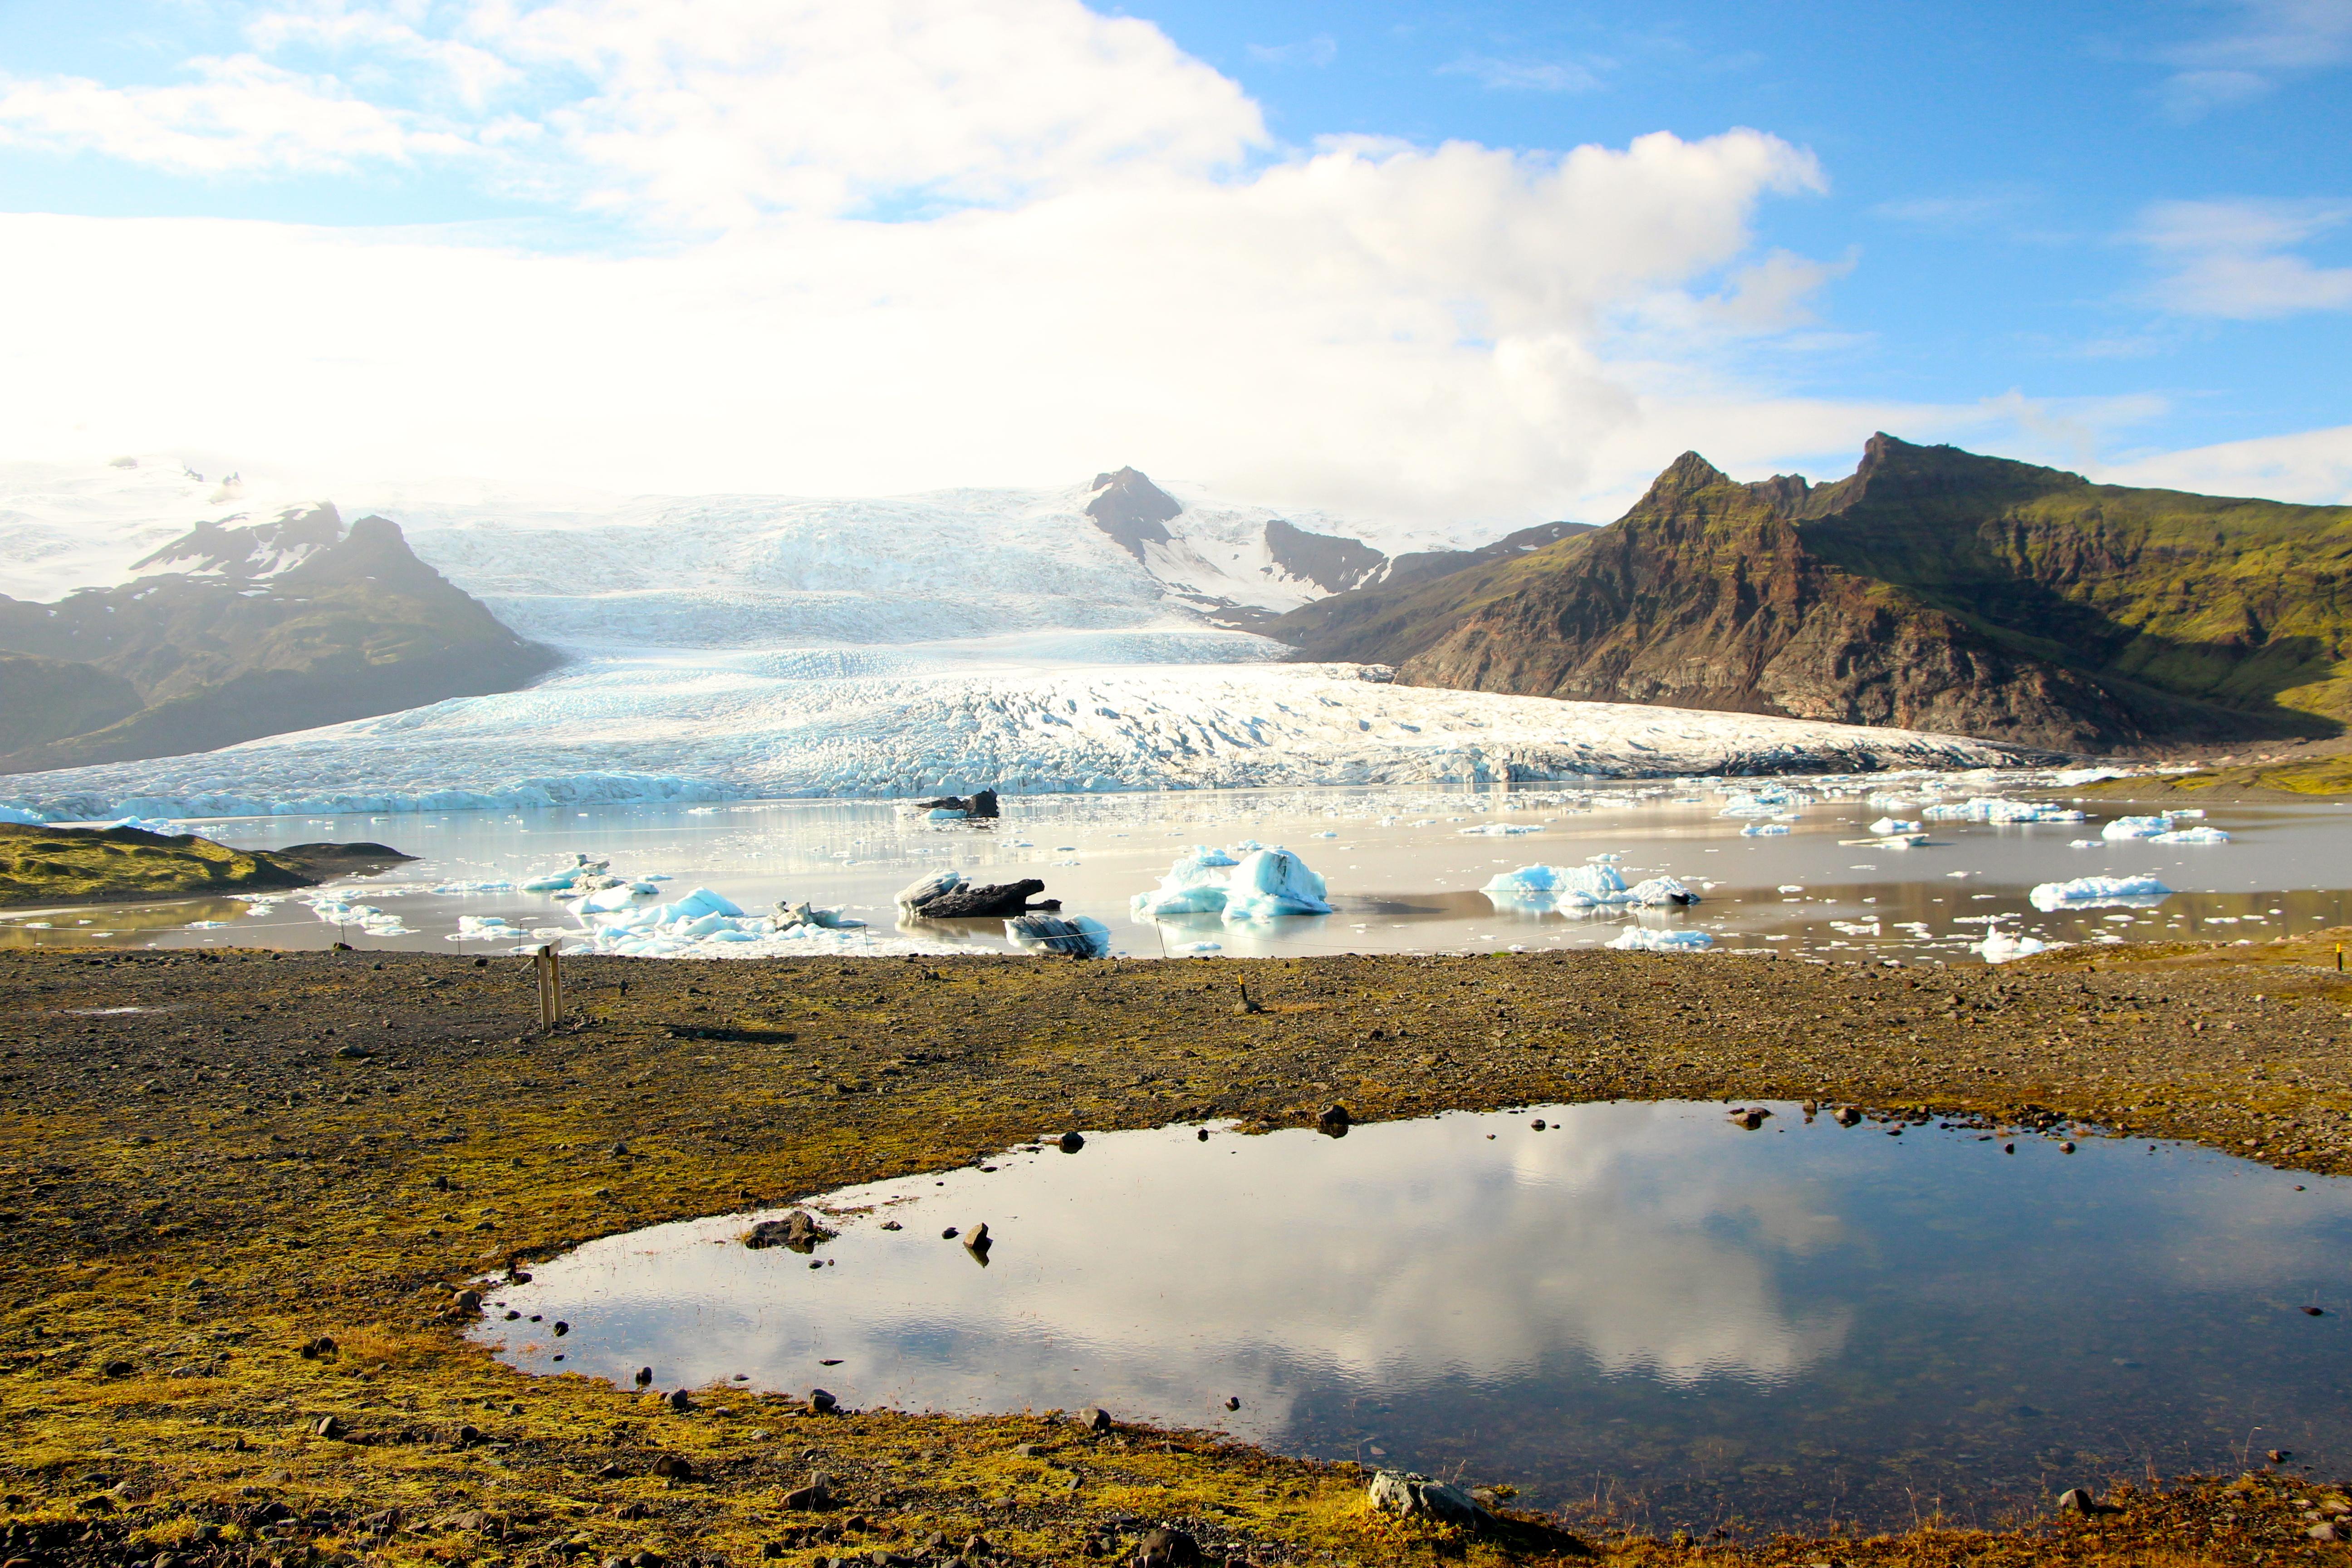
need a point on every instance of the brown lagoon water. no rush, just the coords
(1404, 865)
(1644, 1308)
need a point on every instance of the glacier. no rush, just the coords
(723, 648)
(669, 726)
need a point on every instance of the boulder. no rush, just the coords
(1416, 1496)
(797, 1230)
(993, 901)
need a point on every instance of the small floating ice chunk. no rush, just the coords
(930, 887)
(2001, 947)
(2134, 827)
(483, 928)
(1651, 891)
(1644, 939)
(1491, 830)
(1886, 825)
(2099, 892)
(1764, 830)
(1083, 937)
(2191, 835)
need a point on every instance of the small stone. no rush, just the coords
(949, 1233)
(329, 1427)
(2325, 1529)
(673, 1467)
(645, 1375)
(2067, 1147)
(611, 1471)
(1846, 1116)
(1335, 1122)
(2074, 1500)
(1025, 1450)
(2280, 1456)
(977, 1239)
(561, 1327)
(892, 1224)
(1095, 1418)
(2315, 1312)
(118, 1369)
(1202, 1135)
(978, 1546)
(1167, 1548)
(467, 1303)
(1538, 1124)
(1231, 1402)
(1069, 1143)
(680, 1399)
(821, 1402)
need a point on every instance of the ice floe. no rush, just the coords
(1999, 809)
(1649, 939)
(2097, 892)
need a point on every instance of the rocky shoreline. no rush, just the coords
(241, 1193)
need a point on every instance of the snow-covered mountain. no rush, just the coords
(591, 572)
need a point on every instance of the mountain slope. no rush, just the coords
(1934, 589)
(240, 632)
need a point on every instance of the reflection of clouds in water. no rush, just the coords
(1163, 1274)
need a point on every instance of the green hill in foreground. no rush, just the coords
(1934, 589)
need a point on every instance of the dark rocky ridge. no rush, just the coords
(262, 629)
(1132, 509)
(1934, 589)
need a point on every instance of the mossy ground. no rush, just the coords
(66, 865)
(197, 1187)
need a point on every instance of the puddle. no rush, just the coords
(1645, 1308)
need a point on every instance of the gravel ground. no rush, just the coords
(209, 1161)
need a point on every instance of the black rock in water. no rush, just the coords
(996, 901)
(797, 1230)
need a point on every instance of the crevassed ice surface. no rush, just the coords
(1644, 1306)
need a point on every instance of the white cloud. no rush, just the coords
(2233, 260)
(243, 114)
(1529, 74)
(1319, 50)
(1099, 258)
(1411, 332)
(2270, 41)
(2314, 466)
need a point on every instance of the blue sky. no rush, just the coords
(2117, 236)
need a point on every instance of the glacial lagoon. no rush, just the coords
(1404, 868)
(1644, 1311)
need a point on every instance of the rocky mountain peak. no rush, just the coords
(235, 548)
(1132, 509)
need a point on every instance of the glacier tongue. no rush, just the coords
(711, 726)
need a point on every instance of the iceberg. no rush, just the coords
(1652, 891)
(1643, 939)
(1260, 885)
(2099, 892)
(1886, 826)
(1597, 881)
(2134, 827)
